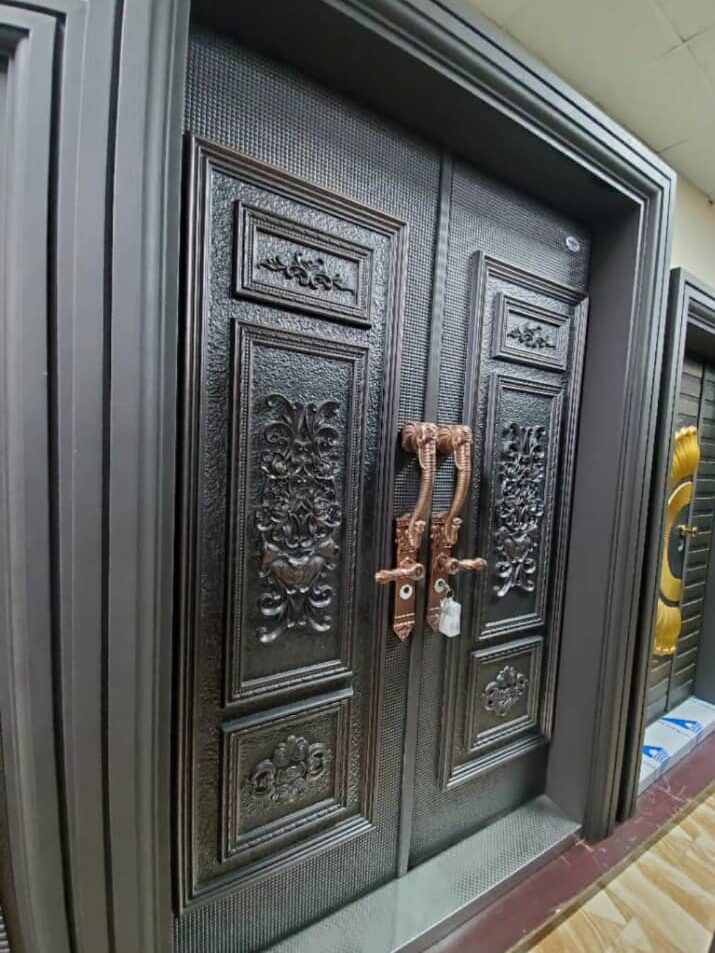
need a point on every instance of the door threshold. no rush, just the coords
(410, 914)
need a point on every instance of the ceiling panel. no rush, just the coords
(648, 63)
(688, 17)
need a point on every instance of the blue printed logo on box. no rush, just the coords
(656, 753)
(689, 724)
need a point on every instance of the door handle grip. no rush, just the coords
(419, 438)
(453, 439)
(686, 530)
(452, 566)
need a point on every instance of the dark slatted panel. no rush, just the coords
(4, 942)
(671, 679)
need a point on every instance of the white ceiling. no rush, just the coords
(650, 64)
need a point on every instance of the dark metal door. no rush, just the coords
(323, 242)
(311, 266)
(514, 334)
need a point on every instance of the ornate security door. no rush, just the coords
(515, 315)
(312, 277)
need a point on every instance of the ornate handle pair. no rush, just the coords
(425, 439)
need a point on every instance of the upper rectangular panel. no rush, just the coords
(530, 333)
(288, 263)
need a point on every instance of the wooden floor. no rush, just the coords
(661, 902)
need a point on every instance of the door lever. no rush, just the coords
(419, 438)
(453, 439)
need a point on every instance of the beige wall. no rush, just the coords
(694, 232)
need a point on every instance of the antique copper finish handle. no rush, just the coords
(419, 438)
(452, 566)
(444, 528)
(402, 573)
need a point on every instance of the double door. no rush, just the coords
(376, 335)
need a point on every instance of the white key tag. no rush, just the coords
(450, 616)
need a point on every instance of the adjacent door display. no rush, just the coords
(686, 561)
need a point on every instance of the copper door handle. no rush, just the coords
(453, 439)
(419, 438)
(451, 566)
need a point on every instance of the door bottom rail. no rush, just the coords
(413, 912)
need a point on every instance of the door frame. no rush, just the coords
(691, 305)
(538, 135)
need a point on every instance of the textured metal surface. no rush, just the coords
(671, 678)
(486, 217)
(397, 915)
(260, 108)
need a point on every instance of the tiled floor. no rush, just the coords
(662, 902)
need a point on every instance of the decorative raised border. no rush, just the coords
(311, 820)
(486, 266)
(247, 338)
(503, 346)
(498, 384)
(207, 158)
(478, 741)
(251, 222)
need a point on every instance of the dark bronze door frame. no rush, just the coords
(435, 68)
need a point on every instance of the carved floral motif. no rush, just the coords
(298, 516)
(504, 691)
(533, 336)
(292, 768)
(308, 272)
(519, 507)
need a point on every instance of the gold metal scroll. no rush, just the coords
(686, 457)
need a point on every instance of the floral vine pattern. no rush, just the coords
(292, 768)
(298, 516)
(519, 507)
(532, 336)
(308, 272)
(504, 691)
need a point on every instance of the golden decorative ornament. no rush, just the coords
(684, 463)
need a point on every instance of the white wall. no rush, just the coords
(694, 232)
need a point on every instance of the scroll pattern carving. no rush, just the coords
(308, 272)
(533, 336)
(519, 507)
(504, 691)
(294, 765)
(298, 516)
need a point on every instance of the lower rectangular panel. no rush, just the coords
(502, 711)
(285, 776)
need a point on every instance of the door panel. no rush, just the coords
(288, 439)
(516, 307)
(293, 684)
